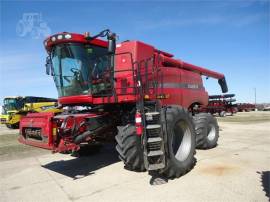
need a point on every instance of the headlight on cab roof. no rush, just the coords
(61, 36)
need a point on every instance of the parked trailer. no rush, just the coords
(136, 93)
(221, 104)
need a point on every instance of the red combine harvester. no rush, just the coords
(245, 107)
(221, 104)
(133, 92)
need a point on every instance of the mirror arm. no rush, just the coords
(111, 37)
(49, 69)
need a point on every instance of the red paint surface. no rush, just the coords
(181, 81)
(77, 38)
(38, 120)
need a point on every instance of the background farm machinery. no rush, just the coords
(16, 107)
(221, 105)
(225, 104)
(246, 107)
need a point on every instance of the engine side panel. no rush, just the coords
(182, 87)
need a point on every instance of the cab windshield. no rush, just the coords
(12, 104)
(75, 65)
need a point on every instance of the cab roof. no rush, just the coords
(66, 37)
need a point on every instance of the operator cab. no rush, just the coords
(12, 103)
(76, 65)
(80, 64)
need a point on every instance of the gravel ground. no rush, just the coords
(236, 170)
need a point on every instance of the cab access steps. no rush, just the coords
(154, 149)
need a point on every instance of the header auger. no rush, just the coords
(133, 92)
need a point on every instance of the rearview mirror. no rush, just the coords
(111, 43)
(48, 65)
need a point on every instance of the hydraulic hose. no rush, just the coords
(80, 138)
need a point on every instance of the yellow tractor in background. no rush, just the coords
(15, 107)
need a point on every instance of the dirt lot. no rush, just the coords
(237, 170)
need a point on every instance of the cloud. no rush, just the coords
(29, 81)
(250, 19)
(20, 71)
(179, 22)
(18, 61)
(232, 20)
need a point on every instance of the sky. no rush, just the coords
(231, 37)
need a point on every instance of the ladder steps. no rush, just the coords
(154, 139)
(152, 113)
(155, 153)
(153, 126)
(156, 166)
(154, 150)
(152, 117)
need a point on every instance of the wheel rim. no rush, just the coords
(181, 142)
(211, 132)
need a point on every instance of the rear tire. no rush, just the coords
(180, 142)
(13, 126)
(207, 131)
(129, 148)
(200, 122)
(222, 114)
(8, 126)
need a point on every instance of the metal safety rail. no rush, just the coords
(142, 82)
(146, 77)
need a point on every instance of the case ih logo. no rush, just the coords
(193, 86)
(33, 25)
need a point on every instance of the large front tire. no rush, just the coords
(129, 148)
(180, 142)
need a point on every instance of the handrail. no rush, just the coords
(141, 82)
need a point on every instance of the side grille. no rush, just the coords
(34, 134)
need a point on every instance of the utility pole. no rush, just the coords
(255, 97)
